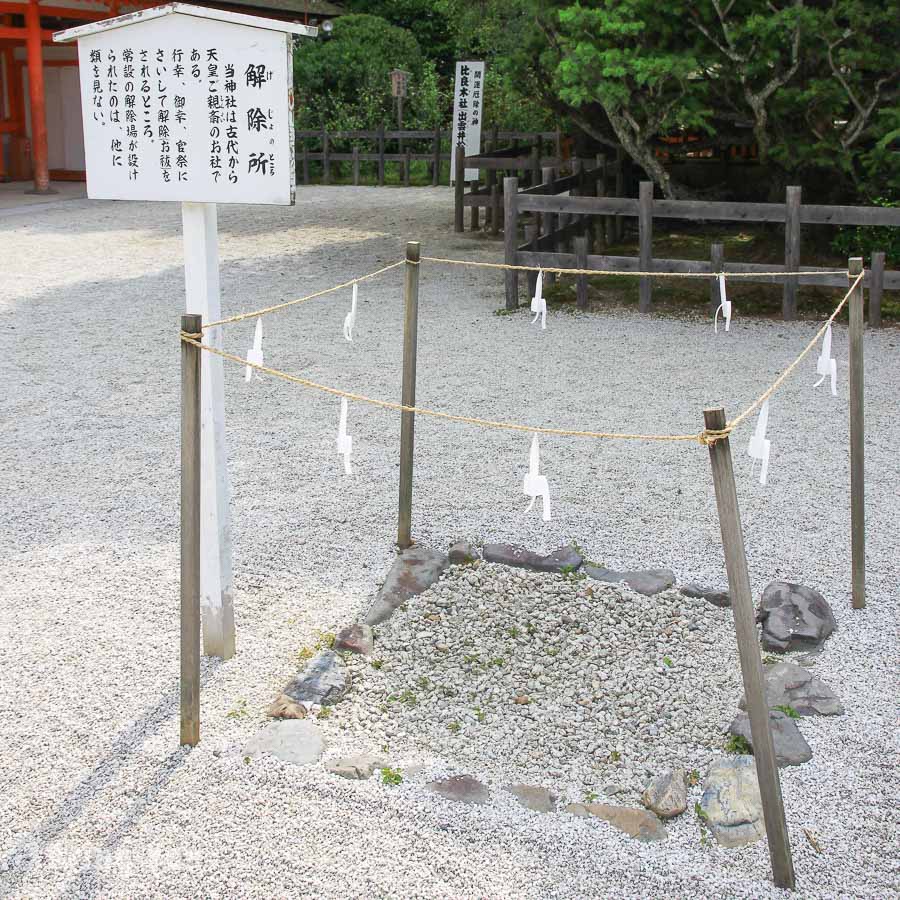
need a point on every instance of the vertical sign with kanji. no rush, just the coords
(468, 103)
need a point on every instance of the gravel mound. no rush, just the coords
(533, 676)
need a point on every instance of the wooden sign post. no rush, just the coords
(193, 105)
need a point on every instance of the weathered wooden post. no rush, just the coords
(857, 439)
(620, 190)
(407, 168)
(532, 235)
(459, 191)
(548, 176)
(305, 163)
(326, 159)
(355, 165)
(535, 164)
(748, 650)
(510, 236)
(474, 224)
(436, 158)
(381, 155)
(581, 255)
(408, 394)
(791, 251)
(190, 534)
(716, 264)
(876, 288)
(645, 238)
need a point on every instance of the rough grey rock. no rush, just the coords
(533, 797)
(731, 804)
(788, 684)
(666, 795)
(291, 741)
(645, 581)
(358, 767)
(461, 789)
(413, 571)
(565, 559)
(791, 748)
(355, 638)
(793, 617)
(637, 823)
(714, 596)
(322, 683)
(462, 553)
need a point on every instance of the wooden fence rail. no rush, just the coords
(539, 250)
(433, 153)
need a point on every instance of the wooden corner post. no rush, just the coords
(510, 236)
(857, 440)
(791, 251)
(645, 238)
(190, 534)
(408, 419)
(748, 649)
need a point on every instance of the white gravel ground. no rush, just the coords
(96, 799)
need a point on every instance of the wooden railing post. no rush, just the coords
(190, 534)
(548, 176)
(355, 166)
(305, 163)
(535, 163)
(876, 288)
(748, 650)
(645, 238)
(436, 158)
(532, 235)
(326, 161)
(510, 236)
(620, 190)
(716, 264)
(857, 439)
(495, 209)
(459, 189)
(408, 395)
(407, 168)
(791, 251)
(581, 255)
(381, 155)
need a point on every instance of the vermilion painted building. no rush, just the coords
(40, 105)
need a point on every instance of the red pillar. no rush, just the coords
(36, 96)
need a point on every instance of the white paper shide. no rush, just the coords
(535, 485)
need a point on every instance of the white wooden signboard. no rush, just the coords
(468, 103)
(194, 105)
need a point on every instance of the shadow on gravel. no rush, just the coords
(34, 851)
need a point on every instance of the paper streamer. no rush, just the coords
(724, 307)
(538, 303)
(350, 318)
(255, 353)
(827, 365)
(535, 485)
(344, 440)
(759, 447)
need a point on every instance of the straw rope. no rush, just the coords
(561, 271)
(270, 309)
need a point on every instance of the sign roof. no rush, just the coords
(184, 9)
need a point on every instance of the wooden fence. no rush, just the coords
(573, 247)
(382, 147)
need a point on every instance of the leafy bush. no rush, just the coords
(865, 239)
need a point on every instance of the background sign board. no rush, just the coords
(180, 107)
(468, 102)
(399, 80)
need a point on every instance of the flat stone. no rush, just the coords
(322, 683)
(731, 804)
(461, 789)
(413, 572)
(637, 823)
(357, 767)
(291, 741)
(566, 559)
(793, 617)
(788, 684)
(791, 748)
(666, 795)
(644, 581)
(533, 797)
(355, 638)
(462, 553)
(713, 595)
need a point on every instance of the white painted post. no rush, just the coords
(201, 278)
